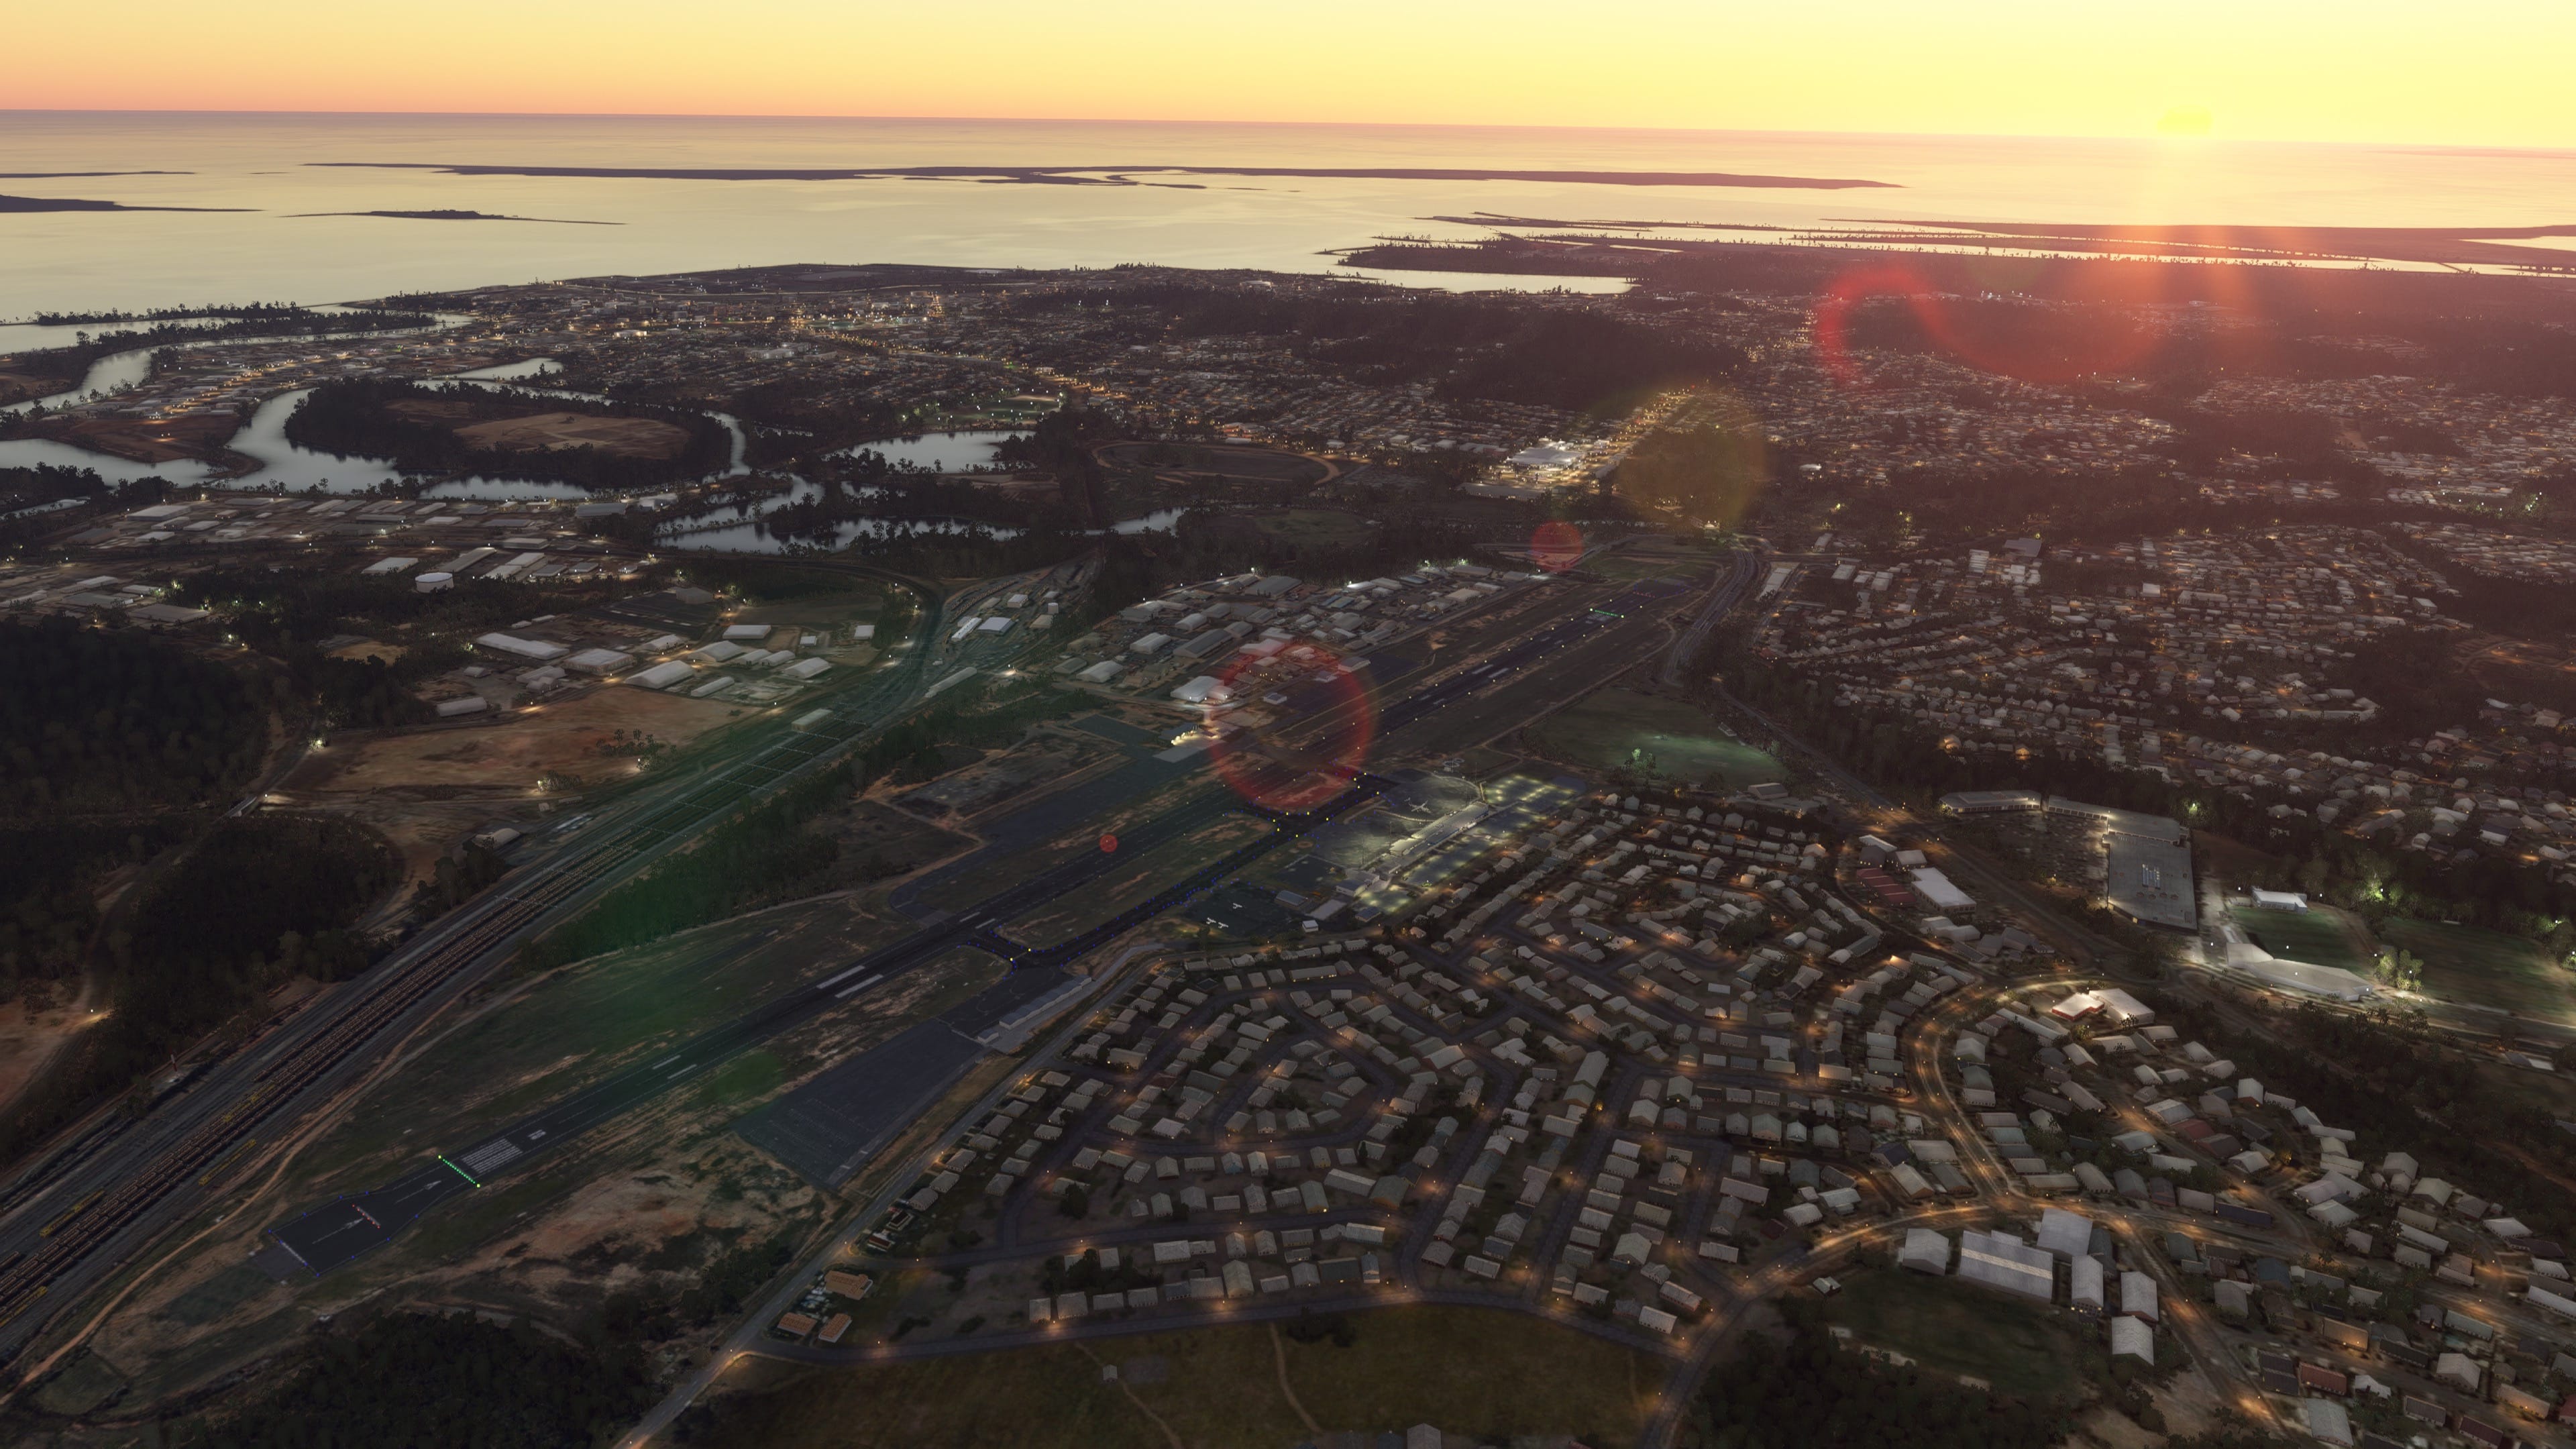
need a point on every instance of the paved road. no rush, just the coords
(330, 1234)
(335, 1232)
(79, 1213)
(1723, 596)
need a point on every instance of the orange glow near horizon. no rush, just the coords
(2478, 73)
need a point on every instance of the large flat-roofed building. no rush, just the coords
(1925, 1251)
(1990, 802)
(2000, 1260)
(2143, 861)
(1937, 891)
(2065, 1234)
(2149, 881)
(2124, 1010)
(2111, 818)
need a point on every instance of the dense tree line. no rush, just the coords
(261, 897)
(1811, 1393)
(2401, 1092)
(49, 883)
(254, 900)
(65, 366)
(115, 720)
(1704, 474)
(175, 314)
(272, 608)
(459, 878)
(53, 483)
(357, 416)
(433, 1381)
(288, 613)
(1507, 348)
(2366, 874)
(1062, 444)
(821, 422)
(1206, 544)
(768, 580)
(902, 506)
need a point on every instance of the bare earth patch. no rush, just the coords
(426, 788)
(551, 432)
(649, 1203)
(31, 1039)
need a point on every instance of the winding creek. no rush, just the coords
(289, 465)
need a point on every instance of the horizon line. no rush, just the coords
(2489, 147)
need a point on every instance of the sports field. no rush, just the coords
(1324, 527)
(2018, 1347)
(2487, 968)
(1620, 729)
(2319, 935)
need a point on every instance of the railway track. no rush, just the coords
(212, 1148)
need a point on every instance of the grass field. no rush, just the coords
(2486, 968)
(2317, 936)
(1080, 836)
(1328, 526)
(2017, 1347)
(577, 1025)
(1134, 879)
(1624, 569)
(1621, 729)
(1480, 1372)
(1231, 462)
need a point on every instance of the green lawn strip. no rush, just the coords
(1621, 729)
(1481, 1372)
(1485, 1372)
(562, 1033)
(2485, 968)
(755, 1073)
(1131, 883)
(1314, 525)
(2316, 936)
(2019, 1348)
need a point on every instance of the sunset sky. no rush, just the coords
(2467, 72)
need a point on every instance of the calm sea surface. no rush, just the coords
(268, 252)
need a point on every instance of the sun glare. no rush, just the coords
(2185, 121)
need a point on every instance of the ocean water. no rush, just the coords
(272, 249)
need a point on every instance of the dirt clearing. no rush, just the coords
(552, 432)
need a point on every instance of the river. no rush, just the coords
(962, 451)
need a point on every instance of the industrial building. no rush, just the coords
(2000, 1260)
(2065, 1234)
(1925, 1251)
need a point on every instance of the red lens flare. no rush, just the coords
(2000, 316)
(1108, 844)
(1556, 546)
(1291, 729)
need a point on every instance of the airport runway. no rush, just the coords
(332, 1233)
